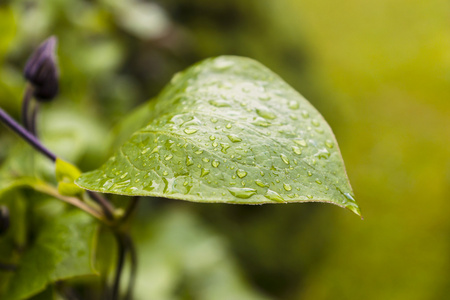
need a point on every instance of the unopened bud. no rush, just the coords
(42, 71)
(4, 219)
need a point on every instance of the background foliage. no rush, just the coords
(377, 70)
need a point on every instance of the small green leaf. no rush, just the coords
(62, 249)
(66, 173)
(229, 130)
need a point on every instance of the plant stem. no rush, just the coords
(33, 119)
(26, 105)
(106, 206)
(133, 257)
(120, 262)
(27, 136)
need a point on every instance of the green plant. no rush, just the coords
(226, 130)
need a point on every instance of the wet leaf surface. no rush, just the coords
(229, 130)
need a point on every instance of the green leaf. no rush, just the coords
(229, 130)
(66, 173)
(62, 249)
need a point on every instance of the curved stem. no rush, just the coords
(106, 206)
(33, 119)
(133, 257)
(27, 136)
(26, 105)
(120, 262)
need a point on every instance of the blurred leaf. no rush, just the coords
(8, 26)
(62, 249)
(229, 130)
(66, 173)
(180, 258)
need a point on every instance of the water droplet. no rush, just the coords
(287, 186)
(215, 163)
(284, 158)
(266, 114)
(204, 172)
(205, 159)
(305, 114)
(241, 173)
(214, 120)
(293, 104)
(168, 157)
(189, 161)
(190, 130)
(228, 126)
(349, 197)
(212, 137)
(318, 181)
(315, 122)
(225, 146)
(215, 144)
(300, 142)
(297, 150)
(309, 196)
(260, 183)
(219, 103)
(309, 174)
(264, 97)
(198, 152)
(329, 144)
(293, 117)
(323, 153)
(243, 193)
(155, 150)
(124, 175)
(165, 173)
(234, 138)
(274, 196)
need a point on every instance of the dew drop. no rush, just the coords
(225, 146)
(329, 144)
(309, 174)
(204, 172)
(300, 142)
(214, 120)
(189, 161)
(287, 187)
(124, 175)
(243, 193)
(212, 137)
(293, 104)
(274, 196)
(266, 114)
(284, 158)
(198, 152)
(314, 122)
(205, 159)
(168, 157)
(219, 103)
(305, 114)
(260, 183)
(241, 173)
(293, 117)
(190, 130)
(234, 138)
(215, 163)
(297, 150)
(228, 126)
(165, 173)
(318, 181)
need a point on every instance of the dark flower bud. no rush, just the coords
(4, 219)
(42, 71)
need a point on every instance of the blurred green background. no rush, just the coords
(378, 71)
